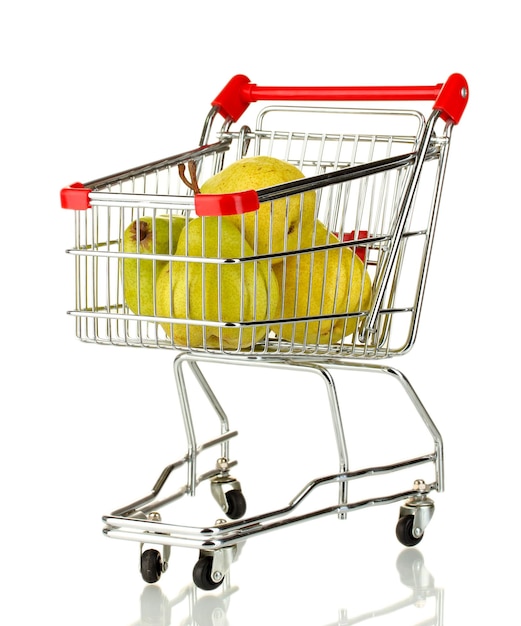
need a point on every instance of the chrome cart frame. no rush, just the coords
(375, 196)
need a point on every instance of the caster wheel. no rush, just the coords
(404, 531)
(151, 566)
(236, 504)
(202, 574)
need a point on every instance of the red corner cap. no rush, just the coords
(452, 98)
(215, 204)
(76, 197)
(231, 101)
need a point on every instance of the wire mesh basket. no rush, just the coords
(329, 260)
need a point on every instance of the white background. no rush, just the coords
(89, 88)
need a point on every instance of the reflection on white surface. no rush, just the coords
(211, 609)
(200, 609)
(415, 576)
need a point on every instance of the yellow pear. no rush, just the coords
(279, 223)
(228, 292)
(321, 283)
(147, 235)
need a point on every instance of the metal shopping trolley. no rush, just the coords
(320, 271)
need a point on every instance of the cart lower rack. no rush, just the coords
(301, 241)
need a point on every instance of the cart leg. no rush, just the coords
(187, 415)
(315, 368)
(417, 403)
(427, 420)
(225, 426)
(188, 424)
(334, 406)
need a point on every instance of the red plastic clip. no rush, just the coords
(76, 197)
(452, 98)
(359, 250)
(215, 204)
(231, 101)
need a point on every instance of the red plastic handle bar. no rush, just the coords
(450, 98)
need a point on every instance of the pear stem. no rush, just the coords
(192, 183)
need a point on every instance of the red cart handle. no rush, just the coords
(450, 98)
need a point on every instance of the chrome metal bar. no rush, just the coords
(231, 534)
(188, 424)
(335, 177)
(141, 200)
(134, 506)
(236, 528)
(183, 491)
(415, 399)
(187, 415)
(399, 227)
(337, 423)
(429, 423)
(183, 157)
(225, 426)
(438, 186)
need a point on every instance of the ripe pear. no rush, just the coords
(147, 235)
(230, 292)
(279, 222)
(321, 283)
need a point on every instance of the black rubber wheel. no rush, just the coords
(202, 574)
(236, 504)
(151, 566)
(404, 531)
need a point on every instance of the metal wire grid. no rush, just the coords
(365, 207)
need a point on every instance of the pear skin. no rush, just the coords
(229, 292)
(276, 226)
(321, 283)
(147, 235)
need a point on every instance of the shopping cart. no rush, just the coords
(323, 271)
